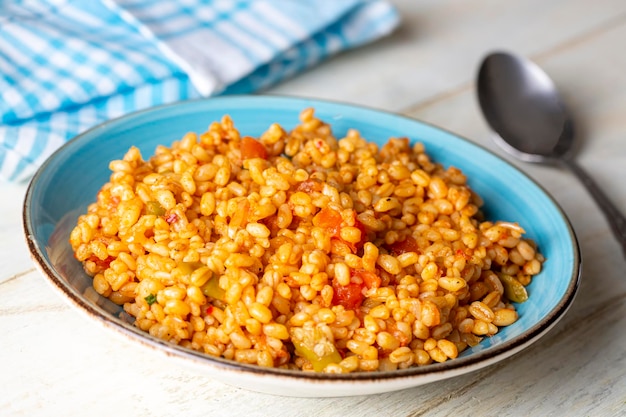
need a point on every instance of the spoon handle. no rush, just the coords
(616, 220)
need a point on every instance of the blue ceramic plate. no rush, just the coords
(70, 179)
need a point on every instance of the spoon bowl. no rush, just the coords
(522, 105)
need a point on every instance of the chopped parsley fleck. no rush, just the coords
(151, 299)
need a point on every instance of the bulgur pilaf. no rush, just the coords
(301, 250)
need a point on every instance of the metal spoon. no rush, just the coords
(522, 105)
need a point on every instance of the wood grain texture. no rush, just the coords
(14, 258)
(54, 362)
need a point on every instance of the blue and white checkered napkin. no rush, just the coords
(68, 65)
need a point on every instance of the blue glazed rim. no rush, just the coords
(39, 221)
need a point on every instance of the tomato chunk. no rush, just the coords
(252, 148)
(349, 296)
(329, 219)
(370, 279)
(101, 264)
(407, 245)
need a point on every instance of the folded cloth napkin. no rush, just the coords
(68, 65)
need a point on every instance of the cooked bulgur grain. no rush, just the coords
(301, 250)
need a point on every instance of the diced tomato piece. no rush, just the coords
(383, 353)
(340, 247)
(407, 245)
(400, 335)
(252, 148)
(271, 223)
(349, 296)
(101, 264)
(370, 279)
(329, 219)
(240, 217)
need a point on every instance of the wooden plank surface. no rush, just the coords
(54, 362)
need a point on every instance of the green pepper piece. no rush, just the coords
(154, 207)
(150, 299)
(513, 289)
(212, 289)
(318, 362)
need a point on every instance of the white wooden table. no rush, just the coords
(426, 70)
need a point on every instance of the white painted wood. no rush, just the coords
(426, 70)
(14, 258)
(439, 44)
